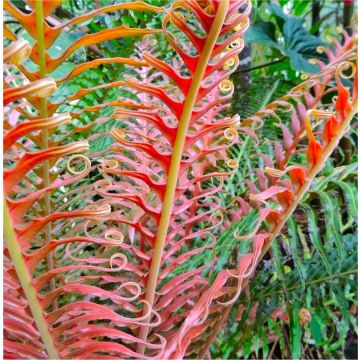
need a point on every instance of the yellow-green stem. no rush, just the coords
(44, 134)
(176, 160)
(26, 285)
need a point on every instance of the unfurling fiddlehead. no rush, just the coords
(47, 227)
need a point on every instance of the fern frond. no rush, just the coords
(164, 158)
(282, 186)
(47, 227)
(329, 285)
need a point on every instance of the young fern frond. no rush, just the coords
(304, 269)
(165, 156)
(283, 186)
(46, 232)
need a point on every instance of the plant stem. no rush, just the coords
(173, 174)
(317, 281)
(347, 14)
(315, 16)
(346, 144)
(262, 65)
(26, 284)
(44, 134)
(309, 179)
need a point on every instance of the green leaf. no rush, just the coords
(64, 41)
(332, 232)
(301, 7)
(300, 45)
(314, 233)
(227, 241)
(350, 194)
(343, 323)
(295, 330)
(294, 241)
(295, 41)
(283, 2)
(265, 346)
(336, 174)
(262, 32)
(128, 21)
(247, 349)
(256, 345)
(278, 13)
(316, 330)
(101, 144)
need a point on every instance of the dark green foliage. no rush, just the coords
(287, 35)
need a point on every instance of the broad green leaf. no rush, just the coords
(262, 32)
(300, 45)
(295, 41)
(278, 13)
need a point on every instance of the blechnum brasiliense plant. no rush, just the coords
(116, 254)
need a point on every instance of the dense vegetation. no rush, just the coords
(180, 179)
